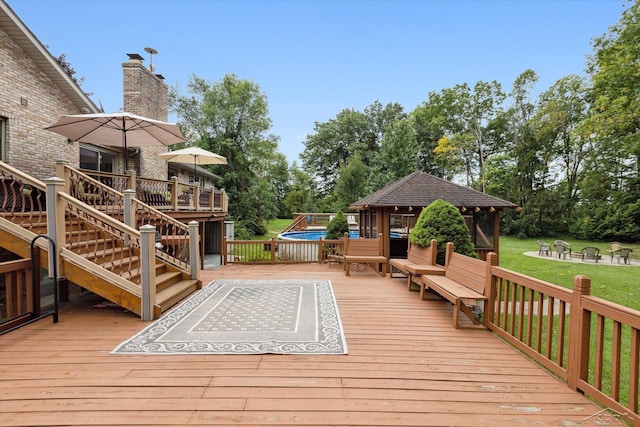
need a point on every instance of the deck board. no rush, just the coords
(406, 367)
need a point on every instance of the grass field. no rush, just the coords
(617, 284)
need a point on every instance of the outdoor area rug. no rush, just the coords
(247, 317)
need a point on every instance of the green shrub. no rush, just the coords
(337, 226)
(442, 221)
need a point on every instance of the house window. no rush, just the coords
(94, 159)
(3, 138)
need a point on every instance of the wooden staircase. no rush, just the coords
(97, 260)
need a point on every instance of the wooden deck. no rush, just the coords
(406, 367)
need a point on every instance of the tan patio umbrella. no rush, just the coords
(126, 129)
(197, 155)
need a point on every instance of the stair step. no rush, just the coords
(167, 298)
(167, 279)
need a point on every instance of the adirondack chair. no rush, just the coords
(562, 249)
(615, 249)
(590, 252)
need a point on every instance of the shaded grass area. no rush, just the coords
(617, 284)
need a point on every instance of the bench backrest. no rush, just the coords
(363, 246)
(423, 255)
(470, 272)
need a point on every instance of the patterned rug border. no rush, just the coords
(331, 340)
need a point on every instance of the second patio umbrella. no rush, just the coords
(126, 129)
(197, 155)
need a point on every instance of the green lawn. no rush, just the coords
(618, 284)
(274, 227)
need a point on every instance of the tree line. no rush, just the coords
(570, 156)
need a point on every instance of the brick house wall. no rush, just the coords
(147, 95)
(30, 101)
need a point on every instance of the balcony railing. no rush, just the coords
(165, 195)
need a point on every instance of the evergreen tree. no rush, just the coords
(444, 222)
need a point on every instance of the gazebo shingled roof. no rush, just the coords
(420, 189)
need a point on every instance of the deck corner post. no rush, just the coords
(579, 332)
(194, 258)
(148, 271)
(490, 289)
(55, 223)
(131, 179)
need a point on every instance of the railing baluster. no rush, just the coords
(599, 351)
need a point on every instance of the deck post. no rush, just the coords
(196, 196)
(131, 179)
(174, 193)
(129, 211)
(194, 252)
(147, 271)
(490, 290)
(579, 333)
(55, 223)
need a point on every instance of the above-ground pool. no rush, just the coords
(317, 234)
(311, 235)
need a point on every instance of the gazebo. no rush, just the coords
(394, 209)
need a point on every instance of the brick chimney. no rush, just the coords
(145, 94)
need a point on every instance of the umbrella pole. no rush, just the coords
(124, 137)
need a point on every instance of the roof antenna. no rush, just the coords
(151, 51)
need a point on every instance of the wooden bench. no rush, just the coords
(465, 281)
(364, 251)
(420, 260)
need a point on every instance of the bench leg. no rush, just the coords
(347, 268)
(457, 306)
(461, 307)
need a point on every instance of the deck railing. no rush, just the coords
(22, 198)
(578, 337)
(280, 251)
(19, 294)
(163, 194)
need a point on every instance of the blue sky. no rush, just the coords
(313, 59)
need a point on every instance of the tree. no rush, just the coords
(337, 226)
(335, 141)
(609, 199)
(68, 68)
(299, 197)
(444, 222)
(231, 118)
(351, 184)
(331, 146)
(431, 125)
(398, 156)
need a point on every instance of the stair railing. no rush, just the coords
(174, 235)
(22, 197)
